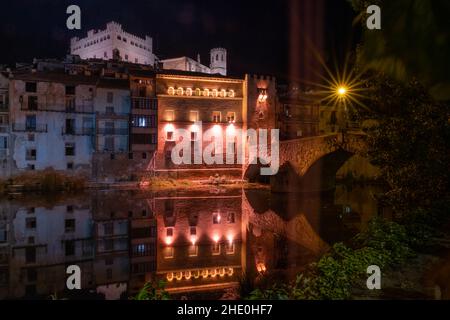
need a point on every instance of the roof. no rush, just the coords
(57, 77)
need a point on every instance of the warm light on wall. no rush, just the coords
(169, 127)
(217, 130)
(193, 240)
(216, 238)
(189, 92)
(261, 267)
(168, 240)
(231, 130)
(206, 92)
(169, 276)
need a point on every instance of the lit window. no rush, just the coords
(231, 94)
(198, 92)
(216, 249)
(223, 93)
(168, 252)
(193, 250)
(231, 117)
(180, 91)
(189, 92)
(169, 115)
(216, 116)
(171, 91)
(214, 93)
(193, 115)
(229, 248)
(206, 93)
(216, 218)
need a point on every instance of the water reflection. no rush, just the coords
(196, 241)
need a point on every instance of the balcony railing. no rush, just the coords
(68, 108)
(78, 131)
(113, 131)
(144, 103)
(3, 153)
(22, 127)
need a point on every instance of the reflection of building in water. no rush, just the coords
(43, 242)
(200, 242)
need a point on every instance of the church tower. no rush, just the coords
(219, 61)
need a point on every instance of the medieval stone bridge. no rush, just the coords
(311, 164)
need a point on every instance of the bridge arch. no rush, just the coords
(311, 164)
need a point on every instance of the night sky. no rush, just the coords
(255, 33)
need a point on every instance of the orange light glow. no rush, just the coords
(216, 238)
(193, 240)
(169, 127)
(230, 238)
(217, 129)
(168, 240)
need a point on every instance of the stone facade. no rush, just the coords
(114, 43)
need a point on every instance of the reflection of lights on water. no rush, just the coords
(261, 267)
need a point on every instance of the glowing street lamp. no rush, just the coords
(342, 91)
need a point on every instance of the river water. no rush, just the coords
(199, 241)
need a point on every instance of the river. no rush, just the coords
(198, 241)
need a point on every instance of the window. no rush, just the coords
(109, 110)
(109, 97)
(168, 253)
(30, 87)
(180, 91)
(216, 218)
(108, 228)
(189, 92)
(216, 116)
(231, 94)
(144, 121)
(69, 248)
(32, 103)
(30, 137)
(169, 115)
(169, 232)
(30, 122)
(193, 231)
(193, 115)
(229, 248)
(126, 57)
(109, 274)
(105, 54)
(169, 135)
(30, 254)
(70, 166)
(214, 93)
(70, 149)
(69, 225)
(70, 126)
(193, 250)
(70, 90)
(31, 154)
(171, 91)
(231, 117)
(30, 223)
(216, 249)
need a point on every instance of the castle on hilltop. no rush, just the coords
(117, 44)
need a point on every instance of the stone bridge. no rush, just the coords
(310, 164)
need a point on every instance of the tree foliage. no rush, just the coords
(414, 41)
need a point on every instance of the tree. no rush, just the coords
(414, 41)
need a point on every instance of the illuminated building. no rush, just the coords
(114, 43)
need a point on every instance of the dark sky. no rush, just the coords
(255, 32)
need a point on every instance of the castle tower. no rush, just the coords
(219, 61)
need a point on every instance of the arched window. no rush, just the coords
(180, 91)
(171, 91)
(217, 57)
(198, 92)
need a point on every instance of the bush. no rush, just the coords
(384, 243)
(153, 291)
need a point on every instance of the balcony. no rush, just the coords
(113, 131)
(144, 103)
(68, 131)
(22, 127)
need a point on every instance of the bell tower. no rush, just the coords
(218, 61)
